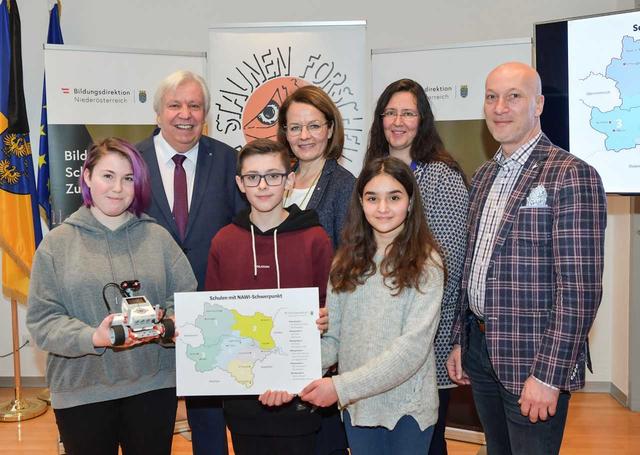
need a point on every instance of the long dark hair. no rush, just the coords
(427, 145)
(403, 264)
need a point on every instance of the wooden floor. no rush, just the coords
(597, 424)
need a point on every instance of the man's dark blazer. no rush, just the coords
(544, 282)
(215, 199)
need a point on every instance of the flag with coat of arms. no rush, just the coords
(20, 230)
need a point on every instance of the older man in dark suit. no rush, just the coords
(194, 195)
(532, 280)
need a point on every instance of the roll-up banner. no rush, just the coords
(95, 93)
(253, 67)
(453, 77)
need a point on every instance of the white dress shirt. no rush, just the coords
(164, 155)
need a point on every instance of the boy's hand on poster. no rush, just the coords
(320, 392)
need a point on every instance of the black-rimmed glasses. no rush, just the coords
(272, 179)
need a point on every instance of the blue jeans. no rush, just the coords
(506, 430)
(405, 438)
(208, 430)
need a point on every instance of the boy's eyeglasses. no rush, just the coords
(405, 115)
(273, 179)
(295, 129)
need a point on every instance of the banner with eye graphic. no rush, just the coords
(252, 68)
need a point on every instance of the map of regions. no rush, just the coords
(232, 342)
(621, 124)
(246, 342)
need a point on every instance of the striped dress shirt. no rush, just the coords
(510, 169)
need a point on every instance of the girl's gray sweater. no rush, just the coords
(384, 348)
(71, 266)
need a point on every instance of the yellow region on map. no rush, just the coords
(257, 327)
(242, 372)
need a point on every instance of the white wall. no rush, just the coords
(171, 25)
(618, 245)
(609, 338)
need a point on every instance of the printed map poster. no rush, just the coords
(453, 78)
(94, 93)
(604, 97)
(246, 342)
(254, 67)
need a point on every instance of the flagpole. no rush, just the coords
(19, 409)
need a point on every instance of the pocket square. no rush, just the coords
(537, 197)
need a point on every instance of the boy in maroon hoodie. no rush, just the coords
(267, 247)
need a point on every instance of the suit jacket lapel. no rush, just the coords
(203, 170)
(159, 196)
(521, 190)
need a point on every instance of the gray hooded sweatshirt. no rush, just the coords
(70, 268)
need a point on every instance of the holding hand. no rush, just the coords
(323, 320)
(275, 398)
(320, 392)
(101, 338)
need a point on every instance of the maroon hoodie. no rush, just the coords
(295, 254)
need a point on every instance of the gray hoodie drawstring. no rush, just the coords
(109, 255)
(133, 262)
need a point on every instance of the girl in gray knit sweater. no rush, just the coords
(386, 287)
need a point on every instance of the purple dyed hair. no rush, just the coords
(141, 186)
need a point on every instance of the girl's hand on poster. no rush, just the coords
(320, 392)
(323, 321)
(275, 398)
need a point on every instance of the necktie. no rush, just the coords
(180, 203)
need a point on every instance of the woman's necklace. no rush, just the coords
(307, 193)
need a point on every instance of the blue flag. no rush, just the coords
(53, 37)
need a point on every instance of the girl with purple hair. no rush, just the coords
(105, 397)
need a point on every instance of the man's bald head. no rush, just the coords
(518, 69)
(513, 104)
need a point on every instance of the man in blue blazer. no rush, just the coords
(532, 279)
(205, 173)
